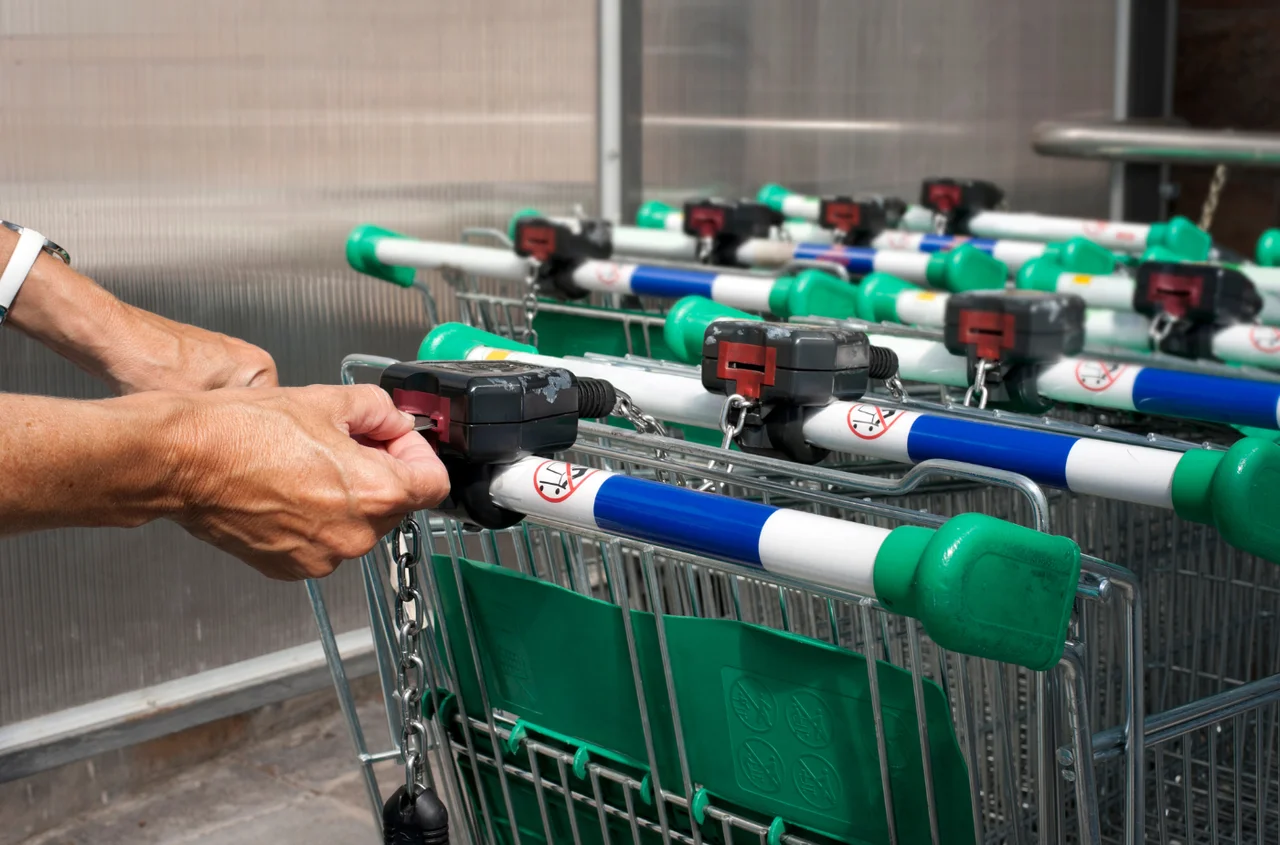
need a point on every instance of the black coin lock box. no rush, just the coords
(725, 219)
(958, 200)
(488, 412)
(551, 241)
(1197, 294)
(780, 363)
(1014, 327)
(856, 221)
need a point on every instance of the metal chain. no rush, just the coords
(704, 250)
(979, 385)
(531, 300)
(406, 542)
(1161, 327)
(733, 416)
(1215, 194)
(644, 423)
(896, 388)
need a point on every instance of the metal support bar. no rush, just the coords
(619, 108)
(1157, 144)
(66, 736)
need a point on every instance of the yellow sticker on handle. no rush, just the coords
(1082, 279)
(497, 355)
(926, 295)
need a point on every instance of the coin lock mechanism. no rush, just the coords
(854, 222)
(721, 226)
(1189, 303)
(1008, 337)
(775, 372)
(955, 202)
(481, 415)
(558, 247)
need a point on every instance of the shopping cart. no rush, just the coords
(748, 714)
(1224, 736)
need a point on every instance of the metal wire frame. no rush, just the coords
(637, 454)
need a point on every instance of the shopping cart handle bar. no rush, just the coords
(979, 585)
(395, 258)
(1230, 491)
(963, 268)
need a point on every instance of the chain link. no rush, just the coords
(406, 542)
(531, 300)
(644, 423)
(1215, 194)
(979, 386)
(896, 388)
(1161, 327)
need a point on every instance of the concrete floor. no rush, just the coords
(300, 785)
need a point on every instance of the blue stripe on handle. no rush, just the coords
(670, 283)
(942, 243)
(855, 259)
(1201, 397)
(703, 523)
(1041, 456)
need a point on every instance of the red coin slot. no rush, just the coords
(841, 215)
(988, 332)
(427, 405)
(1175, 294)
(705, 222)
(945, 198)
(537, 241)
(749, 368)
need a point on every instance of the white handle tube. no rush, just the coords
(432, 255)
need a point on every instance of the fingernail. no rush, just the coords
(409, 417)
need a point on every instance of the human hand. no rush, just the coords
(155, 353)
(295, 481)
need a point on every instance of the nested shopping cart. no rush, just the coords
(638, 660)
(1199, 645)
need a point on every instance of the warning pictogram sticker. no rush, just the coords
(607, 273)
(1098, 375)
(556, 481)
(1265, 339)
(894, 240)
(870, 421)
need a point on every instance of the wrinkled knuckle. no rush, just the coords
(356, 542)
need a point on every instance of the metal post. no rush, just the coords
(619, 107)
(1120, 98)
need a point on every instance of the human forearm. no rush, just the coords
(291, 481)
(114, 462)
(130, 349)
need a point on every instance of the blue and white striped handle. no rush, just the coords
(1012, 253)
(979, 585)
(1202, 486)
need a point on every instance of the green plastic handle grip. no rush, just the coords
(455, 341)
(1233, 491)
(653, 215)
(983, 586)
(362, 255)
(1081, 255)
(965, 268)
(813, 293)
(1183, 237)
(878, 297)
(687, 322)
(1268, 252)
(773, 196)
(1040, 274)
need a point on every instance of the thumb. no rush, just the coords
(419, 468)
(366, 410)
